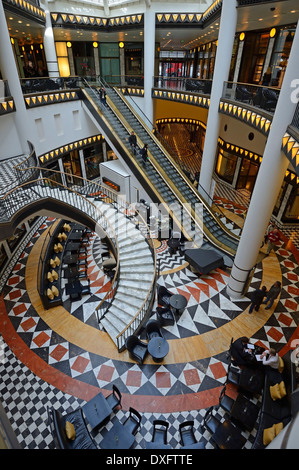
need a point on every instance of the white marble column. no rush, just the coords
(49, 44)
(8, 67)
(269, 180)
(149, 60)
(226, 38)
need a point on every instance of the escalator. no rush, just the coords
(169, 181)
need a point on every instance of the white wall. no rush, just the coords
(10, 144)
(59, 124)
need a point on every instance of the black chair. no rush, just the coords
(137, 349)
(75, 296)
(210, 422)
(160, 431)
(85, 289)
(133, 421)
(270, 99)
(153, 328)
(114, 399)
(165, 316)
(225, 402)
(233, 375)
(242, 94)
(163, 296)
(187, 433)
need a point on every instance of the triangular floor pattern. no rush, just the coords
(208, 308)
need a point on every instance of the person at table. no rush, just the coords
(270, 360)
(256, 298)
(240, 352)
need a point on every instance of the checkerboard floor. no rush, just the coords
(26, 394)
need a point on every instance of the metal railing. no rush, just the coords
(45, 84)
(193, 85)
(259, 96)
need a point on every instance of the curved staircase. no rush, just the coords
(136, 273)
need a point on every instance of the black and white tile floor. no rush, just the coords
(25, 396)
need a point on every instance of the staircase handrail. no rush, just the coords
(138, 220)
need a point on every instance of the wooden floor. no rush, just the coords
(181, 350)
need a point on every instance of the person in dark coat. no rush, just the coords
(133, 142)
(257, 298)
(143, 153)
(272, 294)
(239, 352)
(103, 96)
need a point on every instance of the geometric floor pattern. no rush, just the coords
(26, 396)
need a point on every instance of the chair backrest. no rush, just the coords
(133, 421)
(160, 431)
(131, 341)
(114, 399)
(187, 433)
(153, 328)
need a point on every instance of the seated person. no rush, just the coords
(270, 360)
(240, 353)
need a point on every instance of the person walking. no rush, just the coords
(143, 153)
(273, 239)
(270, 227)
(272, 294)
(103, 96)
(257, 298)
(133, 142)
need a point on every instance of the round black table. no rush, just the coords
(178, 303)
(158, 348)
(173, 244)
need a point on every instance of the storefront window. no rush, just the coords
(247, 175)
(291, 213)
(71, 165)
(280, 55)
(83, 53)
(93, 156)
(109, 62)
(226, 165)
(52, 175)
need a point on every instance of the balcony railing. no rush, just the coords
(39, 85)
(258, 96)
(194, 85)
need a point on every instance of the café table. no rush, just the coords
(75, 236)
(196, 445)
(71, 272)
(251, 380)
(157, 445)
(178, 303)
(173, 244)
(72, 246)
(117, 437)
(158, 348)
(245, 412)
(228, 436)
(73, 286)
(96, 410)
(70, 259)
(203, 261)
